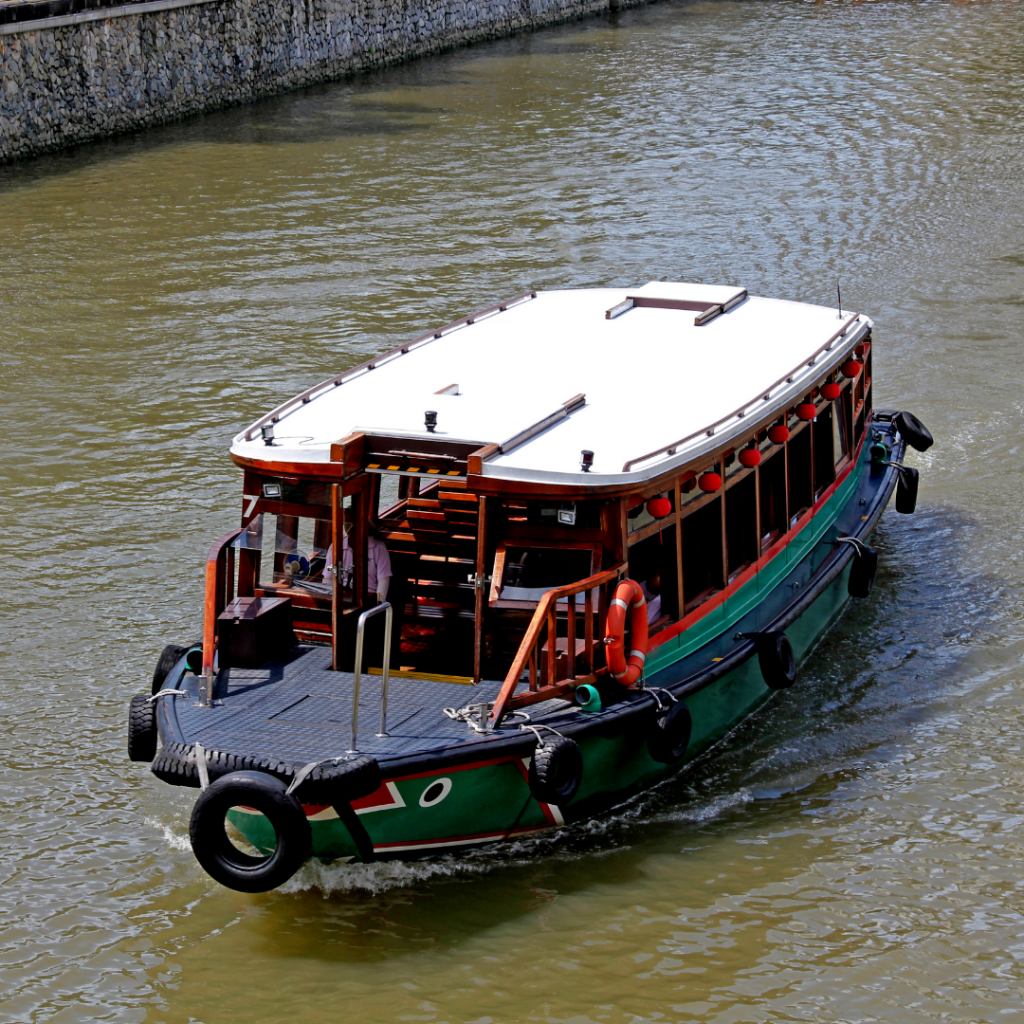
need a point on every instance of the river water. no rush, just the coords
(857, 854)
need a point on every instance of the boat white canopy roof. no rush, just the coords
(650, 375)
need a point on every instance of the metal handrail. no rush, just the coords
(787, 378)
(357, 672)
(216, 597)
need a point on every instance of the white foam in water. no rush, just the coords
(341, 876)
(171, 838)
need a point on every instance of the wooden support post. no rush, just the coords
(757, 512)
(359, 544)
(724, 538)
(680, 589)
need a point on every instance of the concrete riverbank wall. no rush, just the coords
(75, 70)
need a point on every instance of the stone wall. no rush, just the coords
(69, 78)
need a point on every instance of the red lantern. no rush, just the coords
(709, 482)
(750, 457)
(859, 350)
(659, 507)
(851, 368)
(831, 391)
(779, 434)
(806, 411)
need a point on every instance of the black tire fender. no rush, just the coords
(906, 490)
(169, 657)
(913, 431)
(862, 571)
(328, 783)
(219, 856)
(142, 731)
(556, 770)
(776, 660)
(670, 735)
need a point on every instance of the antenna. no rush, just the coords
(839, 297)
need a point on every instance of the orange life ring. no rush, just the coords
(628, 597)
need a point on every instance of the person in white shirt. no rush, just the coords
(378, 565)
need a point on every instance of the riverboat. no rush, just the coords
(520, 568)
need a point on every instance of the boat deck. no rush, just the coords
(299, 710)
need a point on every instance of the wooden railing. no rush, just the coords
(220, 589)
(544, 627)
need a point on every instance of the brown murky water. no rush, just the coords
(858, 853)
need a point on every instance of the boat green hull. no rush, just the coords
(483, 801)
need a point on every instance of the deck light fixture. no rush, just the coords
(430, 419)
(267, 430)
(586, 460)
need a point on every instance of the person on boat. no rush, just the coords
(378, 565)
(652, 592)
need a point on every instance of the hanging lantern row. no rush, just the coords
(710, 482)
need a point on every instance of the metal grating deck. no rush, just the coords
(298, 710)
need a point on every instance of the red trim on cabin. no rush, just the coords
(748, 574)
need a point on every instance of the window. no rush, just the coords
(840, 427)
(773, 499)
(824, 462)
(652, 562)
(741, 524)
(523, 573)
(702, 553)
(800, 495)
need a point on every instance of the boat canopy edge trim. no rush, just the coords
(385, 357)
(742, 411)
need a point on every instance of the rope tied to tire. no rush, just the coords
(201, 766)
(167, 693)
(858, 545)
(307, 769)
(556, 768)
(535, 729)
(670, 697)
